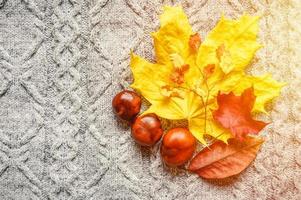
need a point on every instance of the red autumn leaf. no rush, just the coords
(234, 113)
(222, 160)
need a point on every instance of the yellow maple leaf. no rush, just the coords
(188, 74)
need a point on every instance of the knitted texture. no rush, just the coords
(61, 63)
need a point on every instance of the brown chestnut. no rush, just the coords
(126, 105)
(178, 146)
(146, 129)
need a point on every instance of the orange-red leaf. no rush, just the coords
(195, 42)
(234, 113)
(222, 160)
(208, 70)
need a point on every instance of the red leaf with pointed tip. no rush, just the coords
(234, 113)
(222, 160)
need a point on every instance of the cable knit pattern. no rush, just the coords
(62, 61)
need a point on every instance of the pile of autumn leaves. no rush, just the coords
(204, 82)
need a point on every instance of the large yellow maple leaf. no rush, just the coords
(188, 74)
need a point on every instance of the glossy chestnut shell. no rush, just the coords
(126, 105)
(147, 130)
(177, 147)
